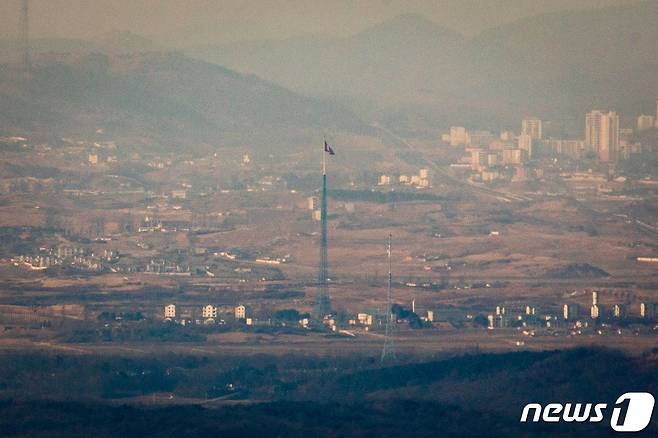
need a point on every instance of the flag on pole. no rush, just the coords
(327, 148)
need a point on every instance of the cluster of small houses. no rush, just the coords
(78, 258)
(421, 180)
(244, 313)
(209, 315)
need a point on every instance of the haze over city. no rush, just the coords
(336, 218)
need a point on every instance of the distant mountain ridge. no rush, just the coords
(112, 43)
(415, 75)
(555, 65)
(338, 67)
(166, 97)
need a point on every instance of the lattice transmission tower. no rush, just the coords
(388, 352)
(322, 302)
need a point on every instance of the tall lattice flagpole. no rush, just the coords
(388, 352)
(322, 303)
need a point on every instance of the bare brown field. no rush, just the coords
(463, 253)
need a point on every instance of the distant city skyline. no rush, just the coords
(175, 22)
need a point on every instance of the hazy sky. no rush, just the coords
(181, 22)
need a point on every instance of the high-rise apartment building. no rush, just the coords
(619, 310)
(457, 136)
(602, 134)
(570, 311)
(514, 156)
(525, 143)
(209, 311)
(532, 127)
(478, 159)
(170, 311)
(648, 310)
(645, 122)
(479, 139)
(312, 202)
(595, 311)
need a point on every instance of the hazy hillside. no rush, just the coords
(295, 395)
(169, 99)
(398, 56)
(555, 65)
(567, 62)
(110, 43)
(407, 72)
